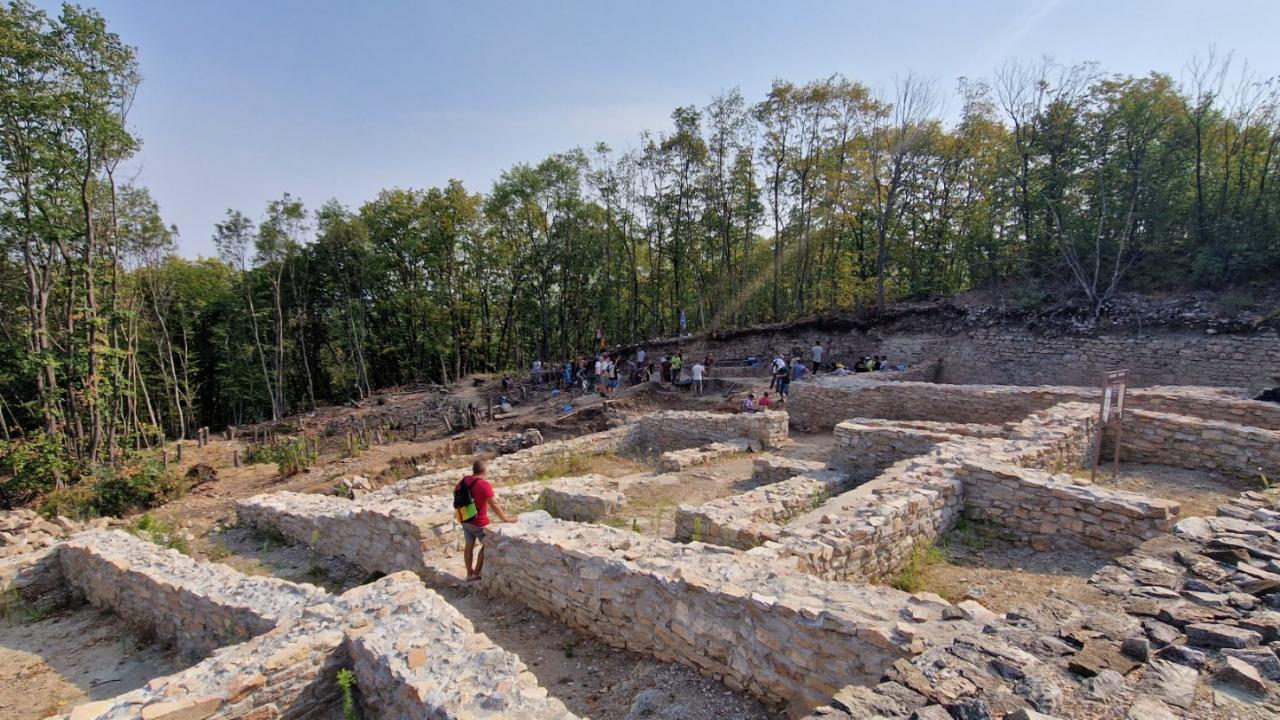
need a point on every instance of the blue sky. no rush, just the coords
(242, 101)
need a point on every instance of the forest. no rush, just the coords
(821, 195)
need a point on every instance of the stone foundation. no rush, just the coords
(768, 469)
(824, 402)
(677, 460)
(1235, 450)
(752, 518)
(679, 429)
(385, 631)
(198, 607)
(782, 636)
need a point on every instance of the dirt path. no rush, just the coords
(49, 666)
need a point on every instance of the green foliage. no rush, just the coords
(347, 687)
(563, 466)
(145, 484)
(911, 576)
(161, 532)
(138, 483)
(33, 467)
(975, 534)
(696, 535)
(290, 456)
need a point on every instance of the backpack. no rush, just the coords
(464, 503)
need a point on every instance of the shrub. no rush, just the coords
(34, 465)
(290, 456)
(924, 554)
(141, 486)
(160, 532)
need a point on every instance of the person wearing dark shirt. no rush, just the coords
(473, 529)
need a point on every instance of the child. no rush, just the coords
(749, 403)
(764, 402)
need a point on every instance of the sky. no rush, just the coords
(243, 101)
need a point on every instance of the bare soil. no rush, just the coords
(50, 665)
(1200, 492)
(1003, 574)
(650, 509)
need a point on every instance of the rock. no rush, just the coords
(1221, 636)
(1171, 682)
(1183, 655)
(1040, 691)
(1102, 686)
(1097, 656)
(1243, 675)
(933, 712)
(971, 708)
(1138, 648)
(647, 703)
(860, 701)
(1264, 660)
(1145, 707)
(1025, 714)
(1161, 634)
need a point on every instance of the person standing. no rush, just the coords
(696, 373)
(640, 357)
(684, 324)
(474, 515)
(816, 352)
(677, 364)
(775, 368)
(707, 362)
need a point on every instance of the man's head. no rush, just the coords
(478, 467)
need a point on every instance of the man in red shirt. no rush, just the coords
(473, 529)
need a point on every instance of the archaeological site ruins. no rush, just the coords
(784, 555)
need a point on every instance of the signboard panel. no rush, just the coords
(1111, 412)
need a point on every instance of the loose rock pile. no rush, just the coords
(24, 530)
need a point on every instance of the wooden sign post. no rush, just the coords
(1111, 409)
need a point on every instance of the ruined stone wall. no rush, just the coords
(677, 460)
(677, 429)
(36, 579)
(827, 401)
(384, 631)
(768, 468)
(868, 533)
(197, 606)
(866, 446)
(1015, 356)
(743, 620)
(1235, 450)
(1057, 511)
(755, 517)
(520, 465)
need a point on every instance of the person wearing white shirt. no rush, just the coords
(817, 351)
(696, 372)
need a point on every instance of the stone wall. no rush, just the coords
(768, 468)
(1057, 511)
(866, 446)
(677, 429)
(520, 465)
(1016, 356)
(383, 630)
(428, 661)
(1235, 450)
(197, 606)
(755, 517)
(35, 579)
(825, 402)
(742, 619)
(677, 460)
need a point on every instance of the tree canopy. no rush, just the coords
(819, 196)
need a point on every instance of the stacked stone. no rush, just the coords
(1236, 450)
(678, 429)
(519, 465)
(677, 460)
(868, 533)
(23, 530)
(739, 617)
(865, 446)
(1056, 511)
(197, 606)
(1199, 608)
(35, 578)
(768, 468)
(755, 517)
(825, 402)
(425, 660)
(1059, 438)
(582, 499)
(382, 631)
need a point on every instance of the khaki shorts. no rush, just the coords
(473, 532)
